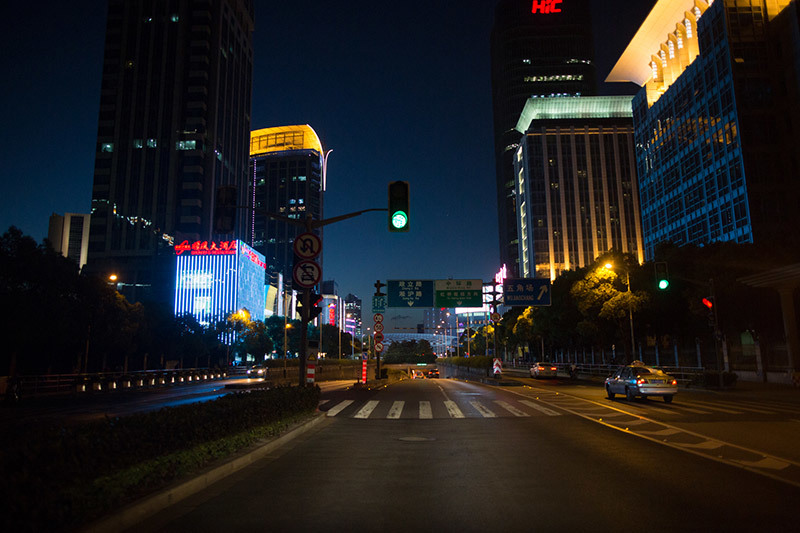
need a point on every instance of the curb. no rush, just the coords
(138, 511)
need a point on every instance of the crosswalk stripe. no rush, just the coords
(323, 402)
(397, 408)
(750, 409)
(453, 409)
(540, 408)
(486, 413)
(510, 408)
(716, 408)
(333, 411)
(367, 409)
(425, 410)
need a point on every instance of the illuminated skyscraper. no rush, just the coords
(287, 177)
(174, 125)
(575, 183)
(716, 121)
(543, 49)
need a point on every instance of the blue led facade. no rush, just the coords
(713, 152)
(212, 281)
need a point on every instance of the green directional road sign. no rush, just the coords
(410, 293)
(458, 293)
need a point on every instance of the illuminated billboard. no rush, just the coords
(214, 279)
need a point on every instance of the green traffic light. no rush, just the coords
(663, 284)
(399, 219)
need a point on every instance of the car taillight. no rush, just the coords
(641, 381)
(674, 381)
(553, 368)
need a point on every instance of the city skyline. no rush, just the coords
(398, 95)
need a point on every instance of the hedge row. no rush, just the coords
(478, 361)
(56, 476)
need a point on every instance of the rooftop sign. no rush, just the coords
(206, 248)
(546, 6)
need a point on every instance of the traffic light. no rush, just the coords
(313, 311)
(225, 209)
(708, 301)
(662, 276)
(398, 206)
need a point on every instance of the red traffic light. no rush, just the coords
(708, 302)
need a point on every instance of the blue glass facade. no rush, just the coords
(688, 153)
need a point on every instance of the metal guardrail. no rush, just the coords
(63, 384)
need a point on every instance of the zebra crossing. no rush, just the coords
(427, 410)
(547, 404)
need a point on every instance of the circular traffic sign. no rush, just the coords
(307, 246)
(378, 317)
(307, 274)
(378, 346)
(378, 326)
(496, 317)
(378, 336)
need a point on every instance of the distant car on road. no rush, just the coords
(637, 379)
(544, 369)
(433, 373)
(256, 372)
(417, 374)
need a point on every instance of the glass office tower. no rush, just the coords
(173, 126)
(575, 183)
(541, 49)
(716, 130)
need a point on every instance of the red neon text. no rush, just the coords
(546, 6)
(206, 248)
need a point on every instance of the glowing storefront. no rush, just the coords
(214, 279)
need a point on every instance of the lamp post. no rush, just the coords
(609, 266)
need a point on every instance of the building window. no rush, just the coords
(663, 58)
(174, 17)
(138, 143)
(107, 147)
(186, 145)
(671, 50)
(688, 24)
(697, 13)
(654, 68)
(152, 143)
(680, 40)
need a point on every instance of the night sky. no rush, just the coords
(398, 90)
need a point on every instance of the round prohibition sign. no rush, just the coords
(378, 337)
(307, 246)
(307, 274)
(378, 346)
(378, 327)
(378, 317)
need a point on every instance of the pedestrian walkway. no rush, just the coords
(427, 410)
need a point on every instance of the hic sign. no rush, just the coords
(458, 293)
(410, 293)
(526, 292)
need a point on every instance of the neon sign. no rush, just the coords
(546, 6)
(206, 248)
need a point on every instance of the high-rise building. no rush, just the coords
(69, 236)
(716, 121)
(287, 178)
(352, 321)
(174, 125)
(539, 48)
(575, 183)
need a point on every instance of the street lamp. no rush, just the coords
(610, 266)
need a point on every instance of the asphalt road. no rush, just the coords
(457, 456)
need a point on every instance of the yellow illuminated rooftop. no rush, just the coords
(283, 138)
(635, 63)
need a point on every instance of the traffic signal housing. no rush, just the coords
(225, 209)
(398, 206)
(708, 302)
(662, 276)
(314, 310)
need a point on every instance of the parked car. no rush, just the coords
(637, 379)
(544, 369)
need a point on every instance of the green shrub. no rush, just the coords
(54, 474)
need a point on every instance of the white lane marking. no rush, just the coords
(743, 408)
(510, 408)
(704, 445)
(540, 408)
(425, 410)
(662, 432)
(714, 407)
(482, 410)
(333, 411)
(767, 462)
(682, 407)
(323, 402)
(367, 409)
(397, 408)
(453, 409)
